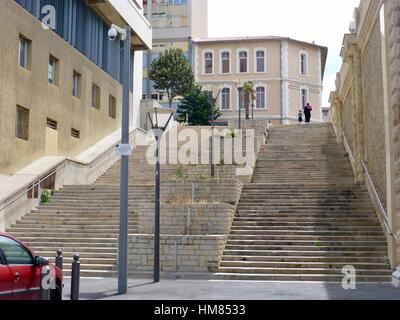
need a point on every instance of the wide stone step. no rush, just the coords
(308, 259)
(304, 242)
(299, 277)
(261, 214)
(305, 247)
(331, 271)
(242, 232)
(314, 238)
(302, 220)
(86, 248)
(318, 252)
(59, 234)
(67, 242)
(301, 224)
(302, 265)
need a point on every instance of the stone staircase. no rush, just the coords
(84, 220)
(302, 217)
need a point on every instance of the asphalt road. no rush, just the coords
(99, 288)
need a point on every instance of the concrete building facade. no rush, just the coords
(286, 74)
(61, 86)
(175, 23)
(365, 109)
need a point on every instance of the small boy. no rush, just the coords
(300, 116)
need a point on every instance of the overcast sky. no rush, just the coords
(322, 21)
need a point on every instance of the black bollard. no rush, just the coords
(75, 275)
(45, 283)
(59, 259)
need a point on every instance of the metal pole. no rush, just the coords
(240, 108)
(212, 137)
(252, 111)
(157, 217)
(123, 221)
(75, 275)
(59, 259)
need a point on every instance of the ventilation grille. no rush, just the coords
(52, 124)
(75, 133)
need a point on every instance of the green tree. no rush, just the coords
(172, 74)
(196, 108)
(248, 90)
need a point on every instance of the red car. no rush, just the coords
(20, 272)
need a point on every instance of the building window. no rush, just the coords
(76, 84)
(52, 124)
(260, 61)
(112, 107)
(22, 123)
(23, 52)
(95, 96)
(53, 70)
(304, 97)
(243, 59)
(75, 133)
(208, 62)
(225, 62)
(260, 93)
(303, 64)
(226, 99)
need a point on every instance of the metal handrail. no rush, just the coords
(35, 184)
(382, 210)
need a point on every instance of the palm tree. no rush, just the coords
(248, 90)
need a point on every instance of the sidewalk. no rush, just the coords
(99, 288)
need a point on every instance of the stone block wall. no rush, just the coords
(393, 13)
(199, 254)
(217, 190)
(374, 111)
(188, 219)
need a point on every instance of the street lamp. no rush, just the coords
(158, 133)
(125, 150)
(213, 103)
(238, 87)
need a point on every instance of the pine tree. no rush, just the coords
(196, 108)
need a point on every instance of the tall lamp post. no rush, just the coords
(241, 97)
(125, 150)
(213, 103)
(158, 133)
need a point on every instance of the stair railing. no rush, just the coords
(23, 191)
(374, 194)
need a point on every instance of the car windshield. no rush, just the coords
(14, 252)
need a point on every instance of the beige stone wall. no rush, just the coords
(200, 254)
(393, 14)
(366, 104)
(188, 219)
(373, 112)
(217, 190)
(30, 89)
(348, 120)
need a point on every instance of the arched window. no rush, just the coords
(225, 62)
(260, 93)
(208, 62)
(226, 99)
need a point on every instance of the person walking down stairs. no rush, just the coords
(307, 112)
